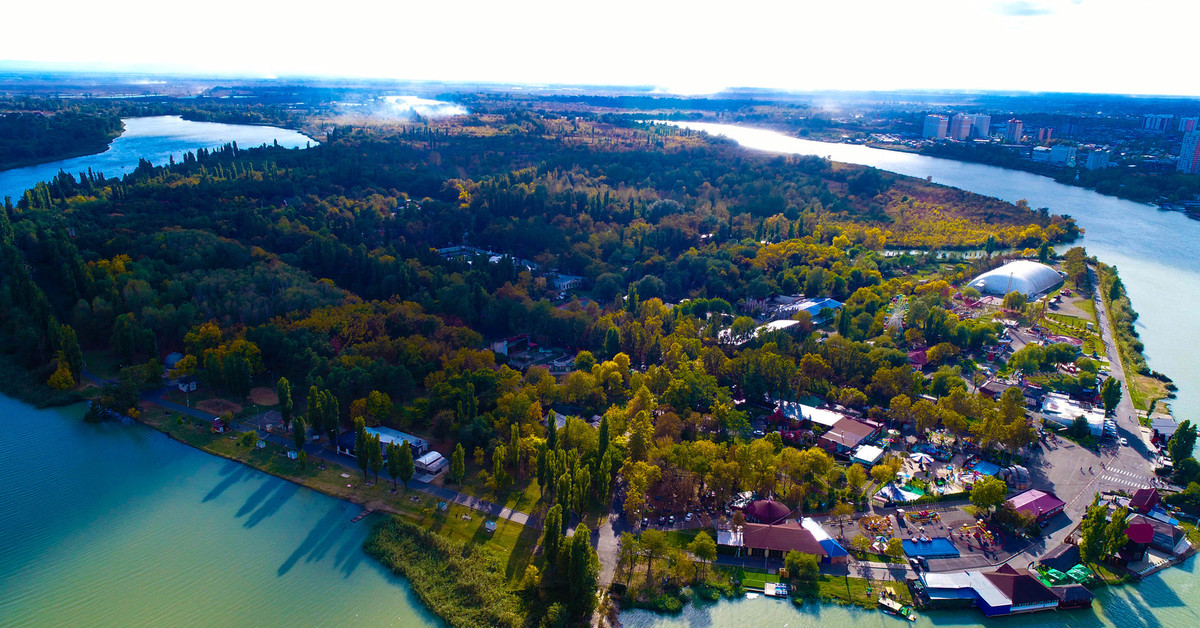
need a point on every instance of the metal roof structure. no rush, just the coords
(1024, 276)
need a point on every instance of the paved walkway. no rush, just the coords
(607, 540)
(320, 452)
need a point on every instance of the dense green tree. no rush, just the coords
(552, 535)
(299, 433)
(283, 388)
(802, 567)
(583, 573)
(1110, 392)
(405, 466)
(1092, 539)
(376, 455)
(1183, 443)
(393, 463)
(988, 493)
(362, 446)
(458, 464)
(705, 548)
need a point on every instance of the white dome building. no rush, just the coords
(1024, 276)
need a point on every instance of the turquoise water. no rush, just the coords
(156, 139)
(1159, 602)
(113, 525)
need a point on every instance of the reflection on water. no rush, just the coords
(155, 139)
(119, 525)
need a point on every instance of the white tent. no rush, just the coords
(1024, 276)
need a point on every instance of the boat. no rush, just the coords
(772, 589)
(892, 607)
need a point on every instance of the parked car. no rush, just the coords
(1124, 441)
(671, 520)
(687, 517)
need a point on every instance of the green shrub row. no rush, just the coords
(463, 585)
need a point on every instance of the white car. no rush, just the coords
(1124, 441)
(688, 517)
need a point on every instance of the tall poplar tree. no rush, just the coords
(458, 464)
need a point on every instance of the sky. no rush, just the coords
(695, 47)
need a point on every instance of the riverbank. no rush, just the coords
(1146, 387)
(455, 536)
(19, 383)
(1142, 187)
(94, 149)
(464, 585)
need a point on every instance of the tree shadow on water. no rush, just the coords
(317, 541)
(233, 473)
(350, 554)
(256, 498)
(271, 506)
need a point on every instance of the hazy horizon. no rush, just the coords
(1059, 46)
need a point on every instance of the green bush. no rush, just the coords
(464, 585)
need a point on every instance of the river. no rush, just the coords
(118, 525)
(156, 139)
(1154, 251)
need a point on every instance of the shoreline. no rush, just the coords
(1031, 170)
(83, 152)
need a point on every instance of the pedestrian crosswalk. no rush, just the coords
(1125, 478)
(1128, 473)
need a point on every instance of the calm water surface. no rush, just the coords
(156, 139)
(112, 525)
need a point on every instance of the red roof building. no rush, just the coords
(777, 540)
(847, 434)
(1144, 500)
(918, 358)
(1142, 533)
(767, 511)
(1037, 504)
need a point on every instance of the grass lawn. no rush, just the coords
(1066, 325)
(682, 538)
(523, 498)
(857, 591)
(1144, 390)
(459, 522)
(1189, 528)
(756, 579)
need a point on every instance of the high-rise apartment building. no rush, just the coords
(981, 125)
(935, 127)
(960, 126)
(1187, 125)
(1097, 160)
(1014, 131)
(1156, 122)
(1189, 154)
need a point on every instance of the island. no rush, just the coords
(589, 362)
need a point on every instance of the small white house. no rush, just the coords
(431, 463)
(186, 384)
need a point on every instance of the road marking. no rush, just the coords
(1138, 482)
